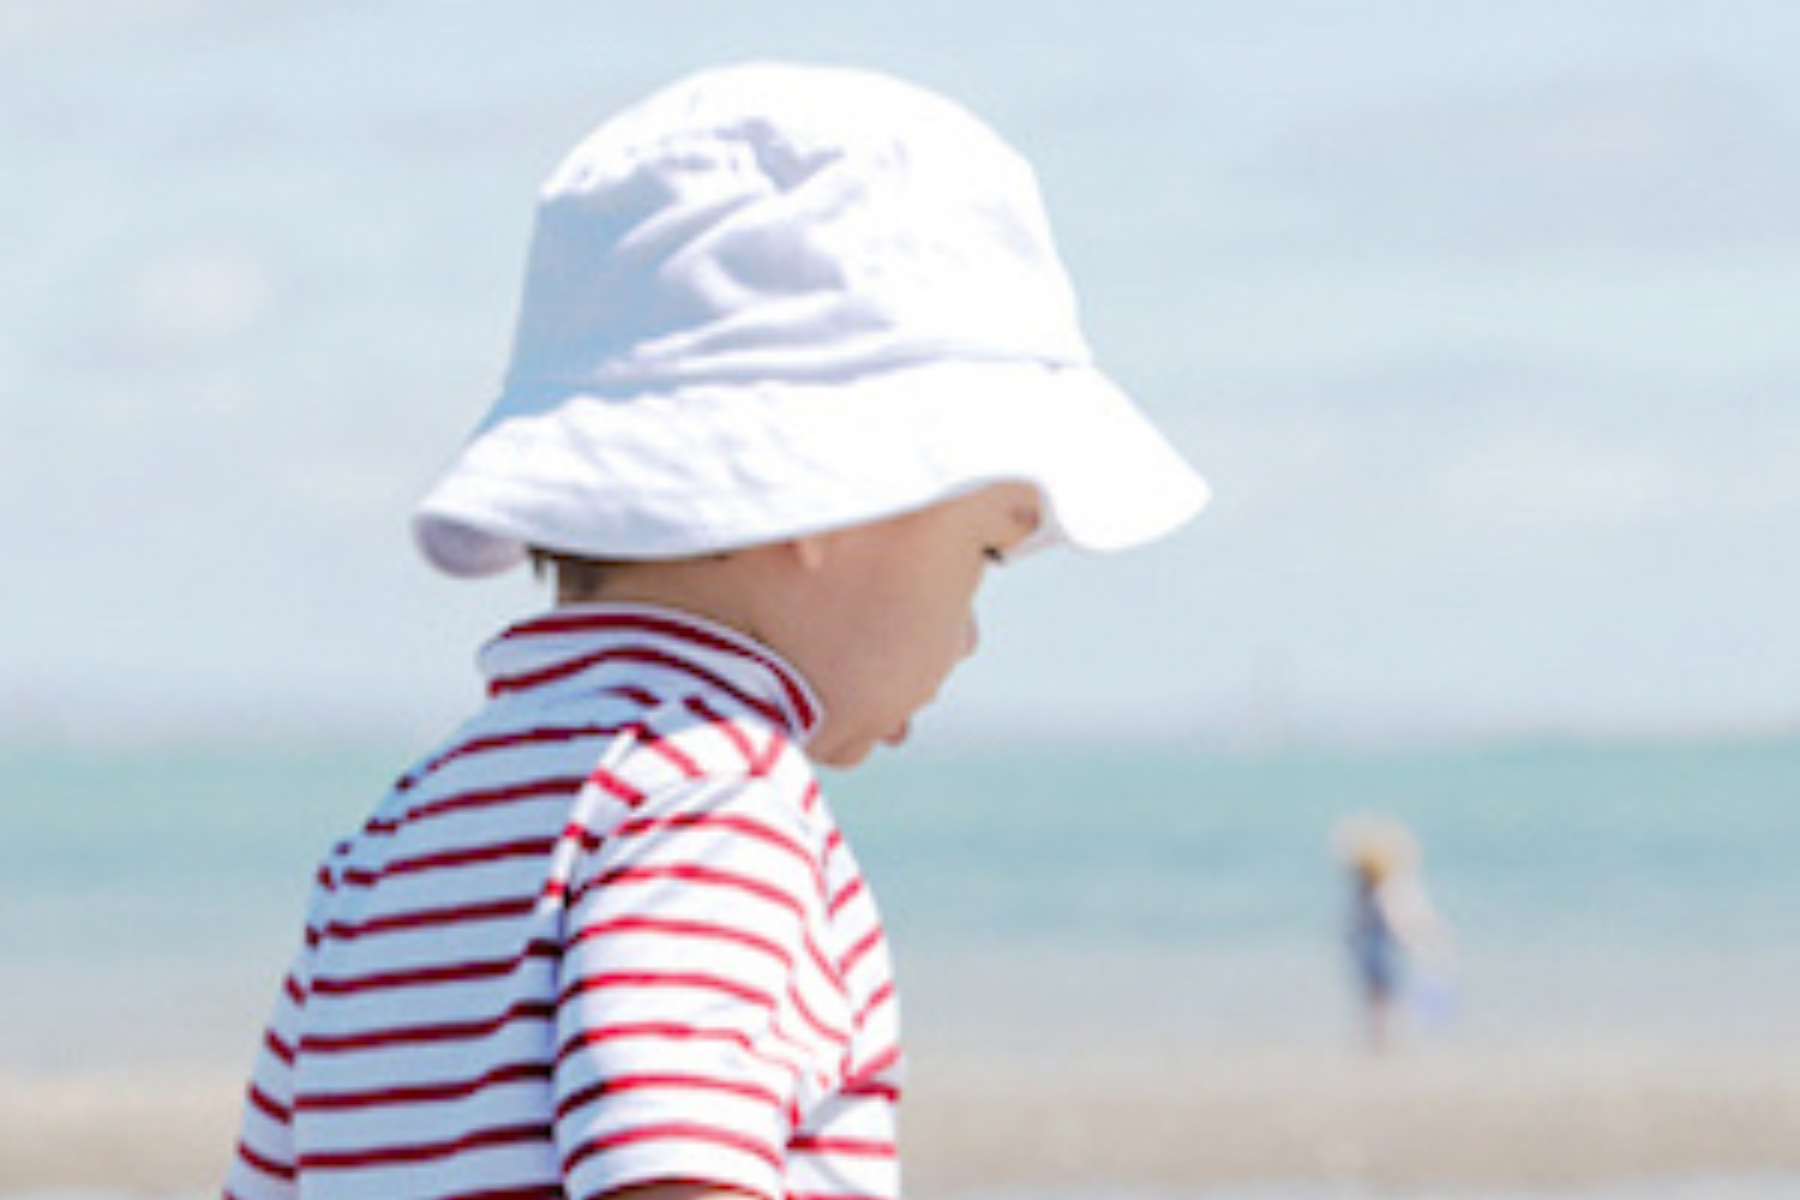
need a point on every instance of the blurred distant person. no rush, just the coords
(1399, 946)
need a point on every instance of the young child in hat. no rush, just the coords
(796, 363)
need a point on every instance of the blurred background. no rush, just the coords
(1479, 318)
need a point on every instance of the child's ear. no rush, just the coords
(809, 551)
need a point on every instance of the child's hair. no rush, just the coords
(575, 579)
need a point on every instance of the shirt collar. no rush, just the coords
(574, 641)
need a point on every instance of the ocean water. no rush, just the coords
(1626, 895)
(1636, 894)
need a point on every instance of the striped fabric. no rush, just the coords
(609, 934)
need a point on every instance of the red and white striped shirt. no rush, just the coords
(608, 935)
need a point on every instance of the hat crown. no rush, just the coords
(788, 222)
(775, 300)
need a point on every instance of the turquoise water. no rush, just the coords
(1631, 893)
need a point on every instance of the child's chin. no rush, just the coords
(843, 757)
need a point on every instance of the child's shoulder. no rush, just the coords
(693, 747)
(724, 787)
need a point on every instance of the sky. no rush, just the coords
(1478, 317)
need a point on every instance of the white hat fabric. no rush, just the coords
(775, 300)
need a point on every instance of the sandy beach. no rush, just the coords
(1443, 1122)
(1439, 1122)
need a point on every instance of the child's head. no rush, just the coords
(778, 306)
(874, 616)
(1375, 848)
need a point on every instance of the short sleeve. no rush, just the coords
(698, 1014)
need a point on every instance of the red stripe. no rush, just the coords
(339, 1043)
(520, 1072)
(433, 976)
(670, 927)
(646, 980)
(670, 627)
(721, 933)
(848, 1147)
(863, 947)
(555, 788)
(881, 996)
(693, 874)
(535, 736)
(714, 820)
(707, 875)
(638, 656)
(664, 747)
(634, 980)
(616, 787)
(674, 1131)
(830, 1033)
(280, 1049)
(873, 1091)
(266, 1165)
(824, 966)
(674, 1032)
(260, 1101)
(771, 754)
(759, 762)
(443, 860)
(728, 728)
(428, 918)
(385, 1156)
(866, 1079)
(851, 891)
(621, 1084)
(643, 697)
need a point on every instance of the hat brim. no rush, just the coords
(709, 467)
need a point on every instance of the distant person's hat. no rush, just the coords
(776, 300)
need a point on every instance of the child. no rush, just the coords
(796, 362)
(1391, 924)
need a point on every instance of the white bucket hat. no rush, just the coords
(776, 300)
